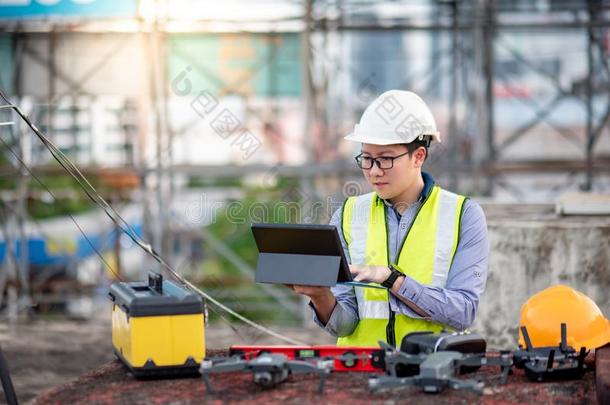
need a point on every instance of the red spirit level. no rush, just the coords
(360, 359)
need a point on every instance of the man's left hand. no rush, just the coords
(375, 274)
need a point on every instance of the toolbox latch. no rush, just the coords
(155, 282)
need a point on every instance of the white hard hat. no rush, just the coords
(396, 116)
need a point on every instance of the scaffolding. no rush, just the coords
(474, 28)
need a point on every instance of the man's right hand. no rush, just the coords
(313, 292)
(321, 297)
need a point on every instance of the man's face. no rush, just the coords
(389, 183)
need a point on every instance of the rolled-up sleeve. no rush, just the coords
(344, 318)
(456, 304)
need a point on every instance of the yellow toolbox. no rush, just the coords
(157, 327)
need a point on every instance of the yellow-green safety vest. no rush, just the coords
(425, 255)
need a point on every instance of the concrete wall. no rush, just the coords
(532, 248)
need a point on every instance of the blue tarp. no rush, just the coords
(40, 254)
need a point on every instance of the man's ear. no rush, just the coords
(420, 156)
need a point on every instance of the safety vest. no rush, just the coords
(425, 255)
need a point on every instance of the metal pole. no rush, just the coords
(309, 122)
(21, 211)
(168, 136)
(487, 33)
(480, 150)
(310, 110)
(158, 225)
(51, 85)
(453, 133)
(154, 41)
(10, 263)
(22, 138)
(146, 172)
(589, 91)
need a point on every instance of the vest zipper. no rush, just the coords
(390, 334)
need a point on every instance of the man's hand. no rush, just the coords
(321, 297)
(312, 292)
(375, 274)
(378, 274)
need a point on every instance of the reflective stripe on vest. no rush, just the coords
(425, 255)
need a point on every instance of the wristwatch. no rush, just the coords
(389, 282)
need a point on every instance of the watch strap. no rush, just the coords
(394, 274)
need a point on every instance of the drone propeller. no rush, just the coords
(322, 368)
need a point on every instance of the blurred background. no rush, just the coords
(195, 119)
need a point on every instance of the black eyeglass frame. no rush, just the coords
(377, 161)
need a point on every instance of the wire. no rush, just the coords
(7, 146)
(115, 217)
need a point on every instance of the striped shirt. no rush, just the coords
(455, 304)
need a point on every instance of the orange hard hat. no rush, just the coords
(545, 311)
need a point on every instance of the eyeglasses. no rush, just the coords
(383, 162)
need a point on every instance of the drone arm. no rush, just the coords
(400, 358)
(473, 385)
(503, 361)
(206, 381)
(473, 360)
(221, 366)
(386, 346)
(385, 382)
(225, 367)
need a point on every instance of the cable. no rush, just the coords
(115, 217)
(7, 146)
(99, 200)
(92, 193)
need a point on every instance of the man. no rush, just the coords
(426, 246)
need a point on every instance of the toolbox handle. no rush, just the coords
(155, 282)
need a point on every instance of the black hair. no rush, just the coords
(416, 144)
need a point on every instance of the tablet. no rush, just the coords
(301, 254)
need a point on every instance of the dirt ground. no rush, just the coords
(63, 361)
(113, 384)
(45, 353)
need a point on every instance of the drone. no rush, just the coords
(268, 369)
(436, 370)
(550, 362)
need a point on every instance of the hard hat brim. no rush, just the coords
(391, 140)
(599, 338)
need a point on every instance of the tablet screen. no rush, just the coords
(302, 239)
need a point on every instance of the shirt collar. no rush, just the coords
(428, 185)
